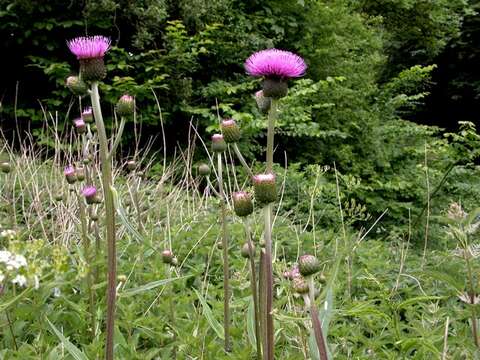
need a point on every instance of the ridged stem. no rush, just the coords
(253, 285)
(226, 271)
(317, 326)
(269, 346)
(107, 183)
(86, 254)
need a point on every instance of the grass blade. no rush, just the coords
(214, 324)
(72, 349)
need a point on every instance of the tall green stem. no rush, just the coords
(472, 297)
(226, 272)
(86, 254)
(317, 326)
(107, 183)
(267, 211)
(253, 284)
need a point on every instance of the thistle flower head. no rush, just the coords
(204, 169)
(131, 165)
(79, 122)
(274, 63)
(87, 114)
(265, 188)
(76, 85)
(230, 130)
(125, 105)
(263, 102)
(69, 170)
(300, 285)
(245, 252)
(167, 256)
(89, 47)
(89, 191)
(242, 203)
(218, 143)
(80, 125)
(308, 265)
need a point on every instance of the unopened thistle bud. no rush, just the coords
(125, 105)
(218, 143)
(242, 203)
(300, 285)
(246, 250)
(80, 125)
(263, 102)
(203, 170)
(76, 85)
(87, 115)
(5, 167)
(70, 175)
(58, 197)
(167, 256)
(90, 193)
(80, 172)
(230, 130)
(308, 265)
(265, 188)
(90, 51)
(131, 165)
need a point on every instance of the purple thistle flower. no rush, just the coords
(79, 123)
(89, 47)
(87, 115)
(89, 191)
(276, 64)
(69, 170)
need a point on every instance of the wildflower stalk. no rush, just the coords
(86, 253)
(267, 213)
(242, 160)
(226, 272)
(317, 327)
(471, 295)
(172, 309)
(107, 183)
(253, 284)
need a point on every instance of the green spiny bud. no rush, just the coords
(125, 105)
(263, 102)
(167, 256)
(265, 188)
(131, 165)
(300, 285)
(246, 250)
(230, 130)
(218, 143)
(80, 172)
(203, 169)
(308, 265)
(77, 86)
(242, 203)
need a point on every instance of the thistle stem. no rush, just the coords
(317, 327)
(107, 183)
(253, 284)
(226, 272)
(242, 160)
(269, 345)
(472, 297)
(86, 254)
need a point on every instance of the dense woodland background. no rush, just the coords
(390, 97)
